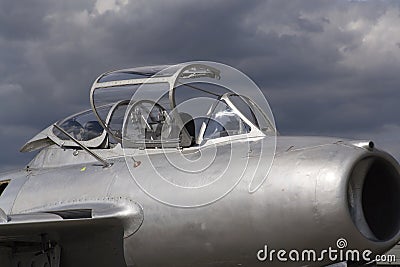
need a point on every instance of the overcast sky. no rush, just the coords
(326, 67)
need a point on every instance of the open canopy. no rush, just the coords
(165, 106)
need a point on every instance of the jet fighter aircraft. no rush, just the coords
(182, 165)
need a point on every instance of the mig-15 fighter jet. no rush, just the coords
(183, 166)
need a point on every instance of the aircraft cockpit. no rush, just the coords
(180, 106)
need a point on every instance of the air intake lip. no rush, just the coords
(374, 198)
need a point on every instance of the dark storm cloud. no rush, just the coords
(327, 67)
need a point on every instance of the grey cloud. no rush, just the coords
(327, 67)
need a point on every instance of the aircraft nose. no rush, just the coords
(374, 198)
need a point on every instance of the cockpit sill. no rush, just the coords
(55, 156)
(52, 156)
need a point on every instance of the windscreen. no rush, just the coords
(253, 113)
(243, 93)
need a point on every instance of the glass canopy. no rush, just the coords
(173, 106)
(181, 106)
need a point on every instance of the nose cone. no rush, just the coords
(374, 198)
(338, 192)
(358, 199)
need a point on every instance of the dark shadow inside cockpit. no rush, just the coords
(188, 125)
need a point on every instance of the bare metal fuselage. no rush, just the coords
(305, 203)
(176, 166)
